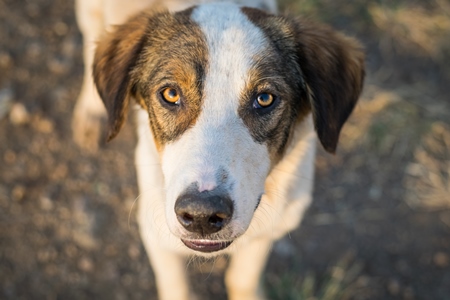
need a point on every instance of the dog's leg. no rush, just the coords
(170, 273)
(89, 110)
(119, 11)
(243, 275)
(168, 266)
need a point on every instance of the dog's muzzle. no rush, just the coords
(203, 214)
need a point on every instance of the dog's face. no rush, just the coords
(224, 87)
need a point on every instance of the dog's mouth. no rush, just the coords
(206, 246)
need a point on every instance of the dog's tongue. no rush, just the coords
(206, 245)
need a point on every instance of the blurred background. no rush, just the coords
(379, 226)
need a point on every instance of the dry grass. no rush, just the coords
(365, 115)
(412, 29)
(428, 178)
(341, 281)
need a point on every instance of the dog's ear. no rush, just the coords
(115, 57)
(333, 69)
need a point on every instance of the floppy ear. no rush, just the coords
(115, 57)
(333, 69)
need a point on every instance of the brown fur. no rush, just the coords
(115, 56)
(275, 71)
(309, 67)
(174, 55)
(331, 64)
(170, 52)
(272, 125)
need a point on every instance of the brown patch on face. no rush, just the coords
(174, 55)
(331, 64)
(275, 71)
(272, 125)
(141, 59)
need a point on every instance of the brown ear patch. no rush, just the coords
(150, 52)
(174, 55)
(331, 67)
(274, 70)
(115, 57)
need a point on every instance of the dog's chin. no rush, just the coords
(206, 246)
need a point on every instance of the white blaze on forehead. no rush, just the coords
(233, 41)
(219, 141)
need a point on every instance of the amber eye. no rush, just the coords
(265, 99)
(170, 95)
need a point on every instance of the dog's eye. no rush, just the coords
(170, 95)
(264, 100)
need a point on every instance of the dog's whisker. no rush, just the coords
(134, 203)
(189, 261)
(299, 176)
(131, 210)
(212, 261)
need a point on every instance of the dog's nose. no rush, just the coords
(203, 212)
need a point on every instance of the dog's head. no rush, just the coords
(224, 87)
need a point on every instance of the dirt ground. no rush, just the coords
(379, 227)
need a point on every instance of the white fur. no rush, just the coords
(219, 140)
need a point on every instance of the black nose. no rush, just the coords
(204, 212)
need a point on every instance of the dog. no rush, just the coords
(231, 99)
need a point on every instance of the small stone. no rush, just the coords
(441, 260)
(408, 293)
(34, 51)
(110, 251)
(102, 189)
(60, 172)
(47, 254)
(393, 287)
(71, 251)
(58, 66)
(402, 266)
(51, 270)
(22, 75)
(18, 192)
(69, 47)
(44, 126)
(133, 252)
(19, 114)
(5, 60)
(45, 203)
(126, 279)
(9, 157)
(84, 240)
(85, 264)
(375, 193)
(32, 10)
(61, 28)
(363, 281)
